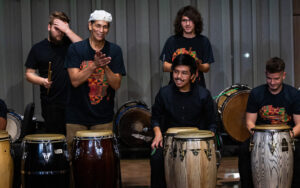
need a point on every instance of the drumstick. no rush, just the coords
(49, 75)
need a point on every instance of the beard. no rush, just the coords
(54, 40)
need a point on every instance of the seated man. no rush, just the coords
(3, 112)
(271, 103)
(180, 104)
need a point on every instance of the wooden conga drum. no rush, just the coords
(272, 156)
(96, 161)
(45, 161)
(195, 160)
(168, 155)
(6, 161)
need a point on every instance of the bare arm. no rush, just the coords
(32, 77)
(113, 79)
(296, 129)
(78, 76)
(64, 27)
(250, 120)
(158, 139)
(2, 123)
(167, 67)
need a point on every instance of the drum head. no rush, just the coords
(44, 137)
(13, 126)
(234, 115)
(93, 133)
(132, 124)
(195, 135)
(175, 130)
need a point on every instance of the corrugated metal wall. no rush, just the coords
(243, 33)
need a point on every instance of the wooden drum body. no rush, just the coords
(195, 160)
(168, 152)
(6, 161)
(96, 161)
(272, 157)
(45, 161)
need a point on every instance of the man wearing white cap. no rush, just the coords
(95, 68)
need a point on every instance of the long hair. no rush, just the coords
(185, 59)
(275, 65)
(193, 14)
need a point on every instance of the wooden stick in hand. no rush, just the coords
(49, 75)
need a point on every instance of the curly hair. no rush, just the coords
(275, 65)
(193, 14)
(58, 15)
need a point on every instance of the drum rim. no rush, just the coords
(272, 128)
(194, 135)
(93, 133)
(92, 137)
(232, 87)
(44, 137)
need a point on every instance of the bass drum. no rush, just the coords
(13, 127)
(232, 103)
(132, 124)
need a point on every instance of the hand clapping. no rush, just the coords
(101, 60)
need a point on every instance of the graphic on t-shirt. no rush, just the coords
(274, 115)
(97, 83)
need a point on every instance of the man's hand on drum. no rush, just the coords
(157, 141)
(101, 60)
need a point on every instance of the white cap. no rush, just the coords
(100, 15)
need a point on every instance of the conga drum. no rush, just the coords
(195, 160)
(132, 124)
(272, 156)
(168, 155)
(232, 103)
(45, 161)
(6, 161)
(96, 161)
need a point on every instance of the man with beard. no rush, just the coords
(49, 54)
(180, 104)
(95, 68)
(188, 26)
(272, 103)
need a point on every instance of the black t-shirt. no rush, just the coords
(199, 45)
(173, 108)
(39, 57)
(274, 109)
(3, 109)
(92, 102)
